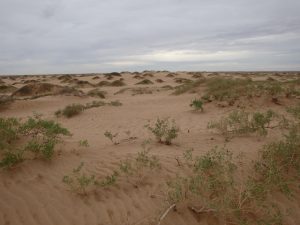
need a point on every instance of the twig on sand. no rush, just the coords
(166, 213)
(201, 210)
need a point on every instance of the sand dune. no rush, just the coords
(33, 192)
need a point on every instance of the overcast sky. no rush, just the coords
(75, 36)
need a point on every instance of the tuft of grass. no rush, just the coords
(197, 104)
(164, 130)
(70, 110)
(84, 143)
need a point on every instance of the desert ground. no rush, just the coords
(139, 151)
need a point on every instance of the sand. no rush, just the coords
(33, 193)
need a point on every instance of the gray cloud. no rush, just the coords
(57, 36)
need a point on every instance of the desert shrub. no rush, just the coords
(197, 104)
(240, 122)
(117, 83)
(111, 137)
(70, 110)
(108, 180)
(40, 138)
(188, 86)
(278, 166)
(214, 187)
(295, 111)
(228, 89)
(135, 169)
(84, 143)
(94, 104)
(164, 130)
(115, 103)
(75, 109)
(145, 82)
(78, 181)
(97, 93)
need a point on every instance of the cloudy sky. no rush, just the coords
(75, 36)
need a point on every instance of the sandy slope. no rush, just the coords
(33, 193)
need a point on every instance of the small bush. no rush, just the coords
(164, 130)
(70, 110)
(214, 187)
(111, 137)
(97, 93)
(278, 166)
(115, 103)
(197, 104)
(84, 143)
(78, 181)
(189, 86)
(40, 137)
(240, 122)
(295, 111)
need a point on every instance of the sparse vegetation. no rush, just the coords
(79, 182)
(97, 93)
(164, 130)
(111, 137)
(216, 187)
(75, 109)
(41, 137)
(197, 104)
(145, 82)
(189, 87)
(240, 122)
(70, 110)
(84, 143)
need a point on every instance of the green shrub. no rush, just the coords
(189, 86)
(70, 110)
(84, 143)
(79, 182)
(240, 122)
(278, 166)
(213, 187)
(197, 104)
(164, 130)
(295, 111)
(34, 135)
